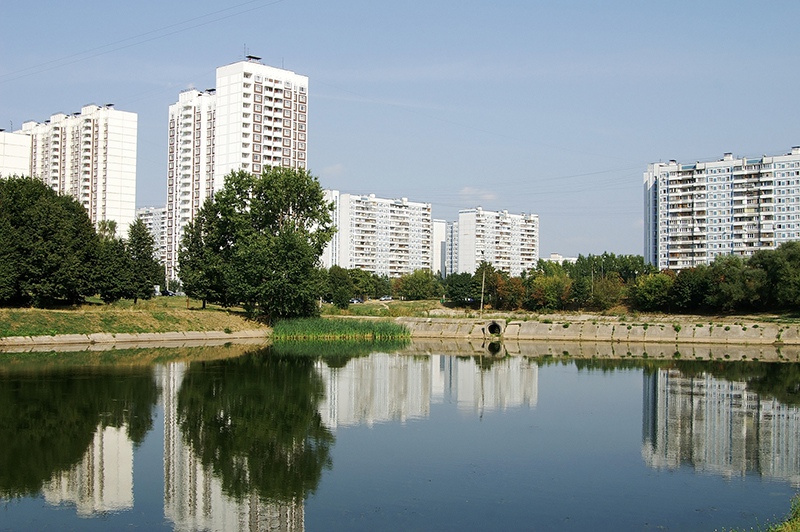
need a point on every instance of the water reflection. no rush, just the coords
(70, 434)
(248, 439)
(720, 426)
(244, 442)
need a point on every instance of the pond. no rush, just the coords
(420, 439)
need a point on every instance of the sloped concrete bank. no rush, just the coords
(100, 341)
(733, 333)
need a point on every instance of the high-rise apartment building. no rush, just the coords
(155, 219)
(439, 247)
(15, 154)
(732, 206)
(91, 156)
(509, 242)
(256, 117)
(389, 237)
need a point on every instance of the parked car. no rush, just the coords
(386, 298)
(355, 300)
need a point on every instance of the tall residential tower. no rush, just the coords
(91, 156)
(509, 242)
(732, 206)
(256, 117)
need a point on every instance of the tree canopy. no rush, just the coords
(258, 243)
(48, 245)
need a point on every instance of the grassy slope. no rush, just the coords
(161, 314)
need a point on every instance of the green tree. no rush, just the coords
(421, 284)
(652, 291)
(114, 269)
(780, 285)
(48, 245)
(258, 243)
(608, 291)
(200, 262)
(383, 286)
(550, 292)
(363, 283)
(728, 287)
(144, 268)
(458, 289)
(690, 289)
(341, 286)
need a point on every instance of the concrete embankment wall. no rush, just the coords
(100, 341)
(596, 331)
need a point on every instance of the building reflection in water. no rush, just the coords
(383, 387)
(710, 424)
(718, 426)
(102, 481)
(193, 495)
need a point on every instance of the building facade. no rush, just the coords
(732, 206)
(255, 118)
(509, 242)
(15, 154)
(155, 219)
(90, 155)
(389, 237)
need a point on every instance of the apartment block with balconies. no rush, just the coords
(732, 206)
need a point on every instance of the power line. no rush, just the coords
(138, 39)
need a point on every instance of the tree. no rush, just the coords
(258, 243)
(48, 245)
(341, 286)
(780, 286)
(363, 283)
(690, 289)
(144, 268)
(651, 291)
(728, 288)
(458, 289)
(421, 284)
(114, 269)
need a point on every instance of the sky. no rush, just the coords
(551, 108)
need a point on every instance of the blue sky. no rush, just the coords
(554, 108)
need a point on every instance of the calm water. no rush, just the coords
(272, 440)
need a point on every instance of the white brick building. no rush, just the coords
(15, 154)
(388, 237)
(256, 117)
(509, 242)
(732, 206)
(90, 155)
(155, 219)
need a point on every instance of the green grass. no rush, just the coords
(385, 309)
(338, 329)
(161, 314)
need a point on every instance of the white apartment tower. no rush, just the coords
(91, 156)
(256, 117)
(389, 237)
(732, 206)
(509, 242)
(155, 219)
(15, 154)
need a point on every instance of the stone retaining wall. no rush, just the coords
(596, 331)
(98, 341)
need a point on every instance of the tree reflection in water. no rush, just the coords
(48, 419)
(254, 421)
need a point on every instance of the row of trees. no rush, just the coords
(767, 280)
(50, 252)
(595, 281)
